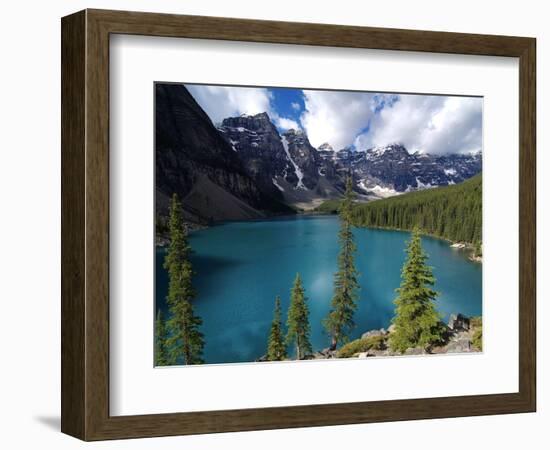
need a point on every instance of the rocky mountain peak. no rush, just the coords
(285, 162)
(295, 132)
(325, 147)
(258, 122)
(389, 151)
(298, 137)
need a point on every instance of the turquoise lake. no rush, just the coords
(241, 267)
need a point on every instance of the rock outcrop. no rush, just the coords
(460, 338)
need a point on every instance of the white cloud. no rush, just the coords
(431, 124)
(336, 117)
(295, 106)
(284, 123)
(220, 102)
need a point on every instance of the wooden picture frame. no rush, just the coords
(85, 224)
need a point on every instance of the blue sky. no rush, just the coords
(288, 102)
(426, 123)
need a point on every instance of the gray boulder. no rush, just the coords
(459, 322)
(460, 345)
(415, 351)
(380, 332)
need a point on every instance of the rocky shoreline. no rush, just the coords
(463, 335)
(467, 247)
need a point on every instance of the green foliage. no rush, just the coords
(478, 250)
(276, 349)
(417, 322)
(298, 320)
(339, 321)
(362, 345)
(477, 338)
(475, 322)
(185, 340)
(450, 212)
(161, 336)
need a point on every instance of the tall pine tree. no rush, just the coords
(185, 340)
(298, 320)
(161, 336)
(276, 349)
(340, 322)
(417, 322)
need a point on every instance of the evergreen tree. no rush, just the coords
(298, 320)
(161, 336)
(185, 341)
(340, 319)
(417, 322)
(276, 349)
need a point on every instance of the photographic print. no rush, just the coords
(301, 224)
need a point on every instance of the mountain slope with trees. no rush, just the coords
(450, 212)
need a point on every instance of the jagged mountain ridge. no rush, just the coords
(391, 169)
(246, 168)
(297, 169)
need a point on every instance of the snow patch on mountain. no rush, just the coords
(297, 170)
(379, 191)
(450, 172)
(277, 185)
(233, 143)
(421, 185)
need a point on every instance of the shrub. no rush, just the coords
(477, 338)
(362, 345)
(475, 322)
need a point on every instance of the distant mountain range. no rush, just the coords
(391, 170)
(245, 168)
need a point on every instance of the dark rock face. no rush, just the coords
(390, 165)
(459, 322)
(258, 146)
(190, 151)
(305, 160)
(318, 172)
(287, 164)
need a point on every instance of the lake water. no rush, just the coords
(241, 267)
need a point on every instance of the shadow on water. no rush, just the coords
(236, 345)
(212, 264)
(206, 269)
